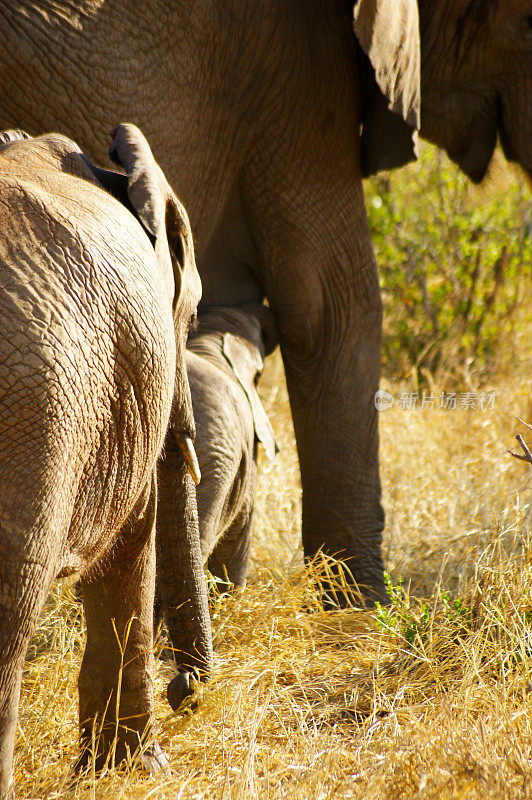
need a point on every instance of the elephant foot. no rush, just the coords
(181, 687)
(153, 758)
(345, 587)
(150, 756)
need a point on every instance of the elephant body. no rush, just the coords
(266, 116)
(224, 361)
(87, 368)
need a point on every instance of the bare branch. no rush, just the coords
(527, 454)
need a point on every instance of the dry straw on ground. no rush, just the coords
(430, 699)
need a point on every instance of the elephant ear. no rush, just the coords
(153, 200)
(389, 71)
(246, 363)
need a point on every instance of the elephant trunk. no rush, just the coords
(181, 584)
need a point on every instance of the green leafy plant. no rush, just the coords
(400, 617)
(453, 266)
(412, 621)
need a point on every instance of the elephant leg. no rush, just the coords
(24, 585)
(328, 310)
(229, 560)
(304, 201)
(115, 681)
(332, 378)
(337, 440)
(181, 584)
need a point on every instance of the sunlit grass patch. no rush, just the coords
(427, 697)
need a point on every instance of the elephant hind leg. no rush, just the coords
(115, 681)
(229, 560)
(24, 585)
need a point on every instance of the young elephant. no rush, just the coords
(224, 360)
(87, 367)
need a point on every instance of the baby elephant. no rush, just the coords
(92, 314)
(224, 361)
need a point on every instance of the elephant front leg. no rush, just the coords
(115, 681)
(305, 206)
(332, 397)
(330, 340)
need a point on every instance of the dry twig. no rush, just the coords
(527, 454)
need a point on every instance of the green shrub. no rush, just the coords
(415, 622)
(402, 618)
(454, 264)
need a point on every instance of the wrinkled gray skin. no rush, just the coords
(184, 600)
(87, 368)
(255, 111)
(224, 361)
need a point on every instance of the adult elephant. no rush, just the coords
(265, 116)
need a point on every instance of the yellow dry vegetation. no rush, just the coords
(431, 698)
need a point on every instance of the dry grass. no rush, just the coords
(432, 699)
